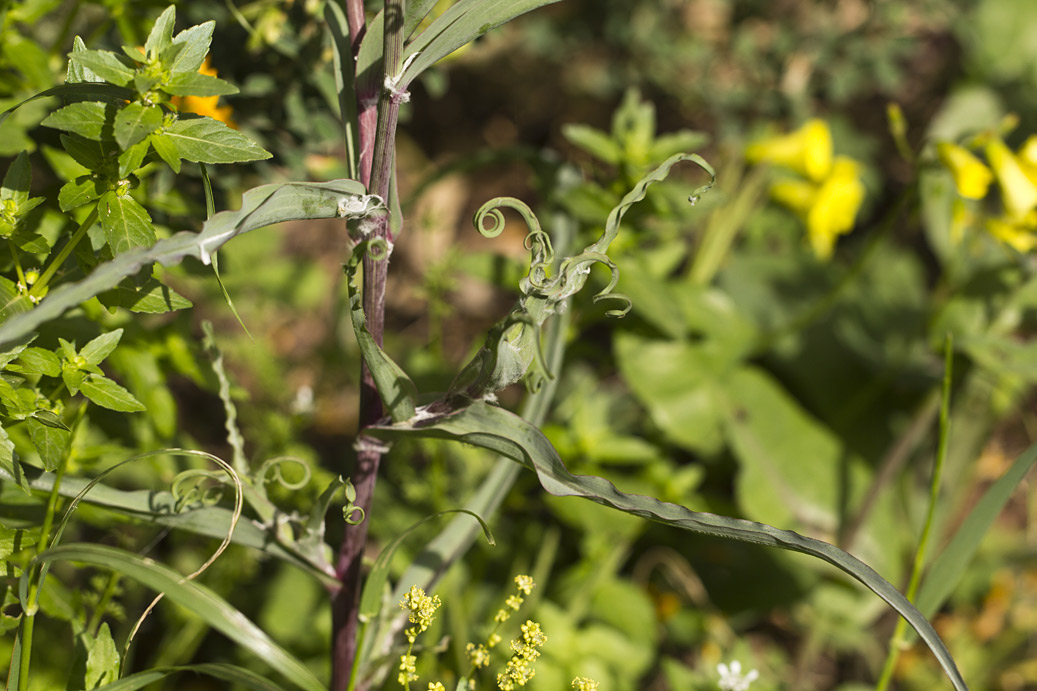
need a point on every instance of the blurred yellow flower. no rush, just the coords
(1018, 185)
(206, 105)
(828, 209)
(971, 176)
(1019, 234)
(808, 150)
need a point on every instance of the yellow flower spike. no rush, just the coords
(1018, 191)
(971, 176)
(1019, 235)
(808, 150)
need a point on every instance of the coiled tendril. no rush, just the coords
(272, 467)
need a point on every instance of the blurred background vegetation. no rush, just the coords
(750, 379)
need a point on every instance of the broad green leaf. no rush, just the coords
(135, 122)
(87, 153)
(260, 207)
(17, 180)
(107, 394)
(196, 598)
(28, 58)
(86, 90)
(150, 298)
(465, 21)
(239, 676)
(161, 35)
(102, 662)
(498, 430)
(947, 569)
(132, 159)
(9, 462)
(51, 443)
(76, 73)
(82, 190)
(90, 119)
(165, 147)
(11, 301)
(595, 142)
(35, 360)
(101, 347)
(29, 241)
(204, 140)
(125, 222)
(104, 64)
(197, 84)
(73, 379)
(189, 48)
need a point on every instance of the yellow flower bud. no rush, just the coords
(1018, 191)
(807, 151)
(835, 207)
(971, 176)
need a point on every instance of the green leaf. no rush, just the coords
(17, 180)
(107, 394)
(462, 23)
(947, 569)
(9, 462)
(260, 207)
(104, 64)
(188, 49)
(76, 73)
(29, 241)
(125, 222)
(87, 90)
(102, 662)
(51, 442)
(161, 35)
(28, 58)
(82, 190)
(498, 430)
(204, 140)
(594, 142)
(196, 84)
(11, 301)
(38, 361)
(90, 119)
(151, 297)
(87, 153)
(238, 676)
(196, 598)
(131, 159)
(73, 379)
(165, 147)
(101, 347)
(135, 122)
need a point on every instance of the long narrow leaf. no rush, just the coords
(230, 673)
(498, 430)
(260, 207)
(204, 603)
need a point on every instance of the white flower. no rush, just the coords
(731, 678)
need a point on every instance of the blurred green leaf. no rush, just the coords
(151, 297)
(229, 673)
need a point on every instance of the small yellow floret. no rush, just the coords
(525, 584)
(807, 151)
(972, 178)
(584, 684)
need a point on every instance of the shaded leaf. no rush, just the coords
(204, 140)
(151, 297)
(131, 159)
(11, 301)
(17, 180)
(51, 443)
(9, 462)
(135, 122)
(102, 662)
(85, 90)
(82, 190)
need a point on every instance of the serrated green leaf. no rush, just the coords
(29, 241)
(107, 394)
(260, 207)
(82, 190)
(90, 119)
(89, 90)
(101, 347)
(197, 84)
(189, 48)
(131, 159)
(17, 180)
(9, 462)
(503, 432)
(77, 73)
(150, 298)
(196, 598)
(204, 140)
(11, 301)
(102, 662)
(104, 64)
(135, 122)
(38, 361)
(51, 442)
(125, 222)
(87, 153)
(166, 149)
(161, 35)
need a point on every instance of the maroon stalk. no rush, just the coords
(377, 129)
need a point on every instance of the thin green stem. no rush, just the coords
(898, 640)
(17, 263)
(102, 604)
(48, 273)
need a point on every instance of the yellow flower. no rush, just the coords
(1018, 188)
(584, 684)
(1020, 235)
(807, 151)
(971, 175)
(421, 610)
(829, 208)
(205, 105)
(525, 584)
(438, 686)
